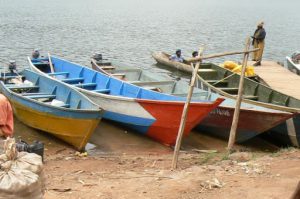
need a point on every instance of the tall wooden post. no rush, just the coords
(185, 112)
(236, 114)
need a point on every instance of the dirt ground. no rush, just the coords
(124, 165)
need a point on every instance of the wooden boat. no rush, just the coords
(224, 82)
(163, 58)
(254, 119)
(293, 66)
(53, 107)
(148, 112)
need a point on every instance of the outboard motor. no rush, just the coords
(97, 57)
(35, 54)
(100, 61)
(12, 66)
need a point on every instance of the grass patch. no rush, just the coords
(282, 151)
(225, 156)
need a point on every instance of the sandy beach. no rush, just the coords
(122, 164)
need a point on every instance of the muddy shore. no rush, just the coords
(123, 164)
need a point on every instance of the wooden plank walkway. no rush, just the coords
(278, 78)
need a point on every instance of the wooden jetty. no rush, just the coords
(278, 78)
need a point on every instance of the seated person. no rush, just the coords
(177, 56)
(195, 54)
(6, 117)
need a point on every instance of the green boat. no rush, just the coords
(216, 79)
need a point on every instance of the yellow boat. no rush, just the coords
(53, 107)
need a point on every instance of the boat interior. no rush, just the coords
(88, 79)
(227, 81)
(34, 86)
(148, 80)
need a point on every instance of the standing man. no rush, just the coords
(6, 118)
(259, 42)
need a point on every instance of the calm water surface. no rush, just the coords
(129, 30)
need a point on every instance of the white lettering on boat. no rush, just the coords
(221, 112)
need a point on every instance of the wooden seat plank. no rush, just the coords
(41, 96)
(73, 80)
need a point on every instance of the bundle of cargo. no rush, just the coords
(237, 68)
(21, 173)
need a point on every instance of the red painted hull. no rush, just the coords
(168, 116)
(251, 122)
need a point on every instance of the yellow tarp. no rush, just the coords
(234, 67)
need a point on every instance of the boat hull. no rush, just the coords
(158, 120)
(168, 115)
(75, 131)
(287, 133)
(251, 122)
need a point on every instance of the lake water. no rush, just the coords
(129, 30)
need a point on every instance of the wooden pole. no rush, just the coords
(185, 112)
(200, 58)
(50, 63)
(236, 114)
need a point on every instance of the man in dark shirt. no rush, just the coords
(259, 42)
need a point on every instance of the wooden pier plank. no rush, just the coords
(279, 78)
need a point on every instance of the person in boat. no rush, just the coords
(177, 56)
(195, 54)
(6, 117)
(259, 42)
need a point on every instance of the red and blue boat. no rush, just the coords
(152, 113)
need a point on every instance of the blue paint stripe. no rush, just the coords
(139, 124)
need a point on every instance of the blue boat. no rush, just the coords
(154, 114)
(51, 106)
